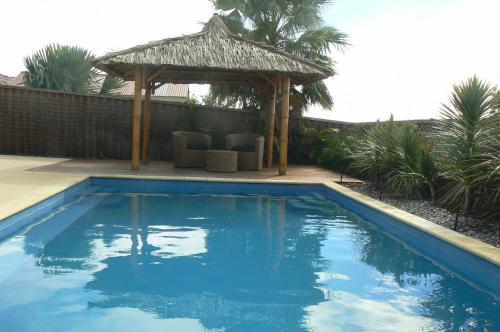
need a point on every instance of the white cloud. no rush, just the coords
(348, 311)
(406, 61)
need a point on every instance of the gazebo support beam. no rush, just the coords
(113, 72)
(156, 74)
(158, 85)
(136, 120)
(285, 108)
(269, 80)
(146, 142)
(271, 110)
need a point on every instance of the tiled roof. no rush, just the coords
(166, 90)
(15, 81)
(4, 79)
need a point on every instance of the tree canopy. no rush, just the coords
(294, 26)
(67, 68)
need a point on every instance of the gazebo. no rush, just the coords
(213, 55)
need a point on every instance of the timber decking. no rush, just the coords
(300, 173)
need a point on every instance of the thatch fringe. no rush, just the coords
(214, 49)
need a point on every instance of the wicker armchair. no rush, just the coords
(190, 149)
(250, 148)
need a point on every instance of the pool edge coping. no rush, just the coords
(466, 243)
(473, 246)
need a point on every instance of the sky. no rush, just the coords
(404, 58)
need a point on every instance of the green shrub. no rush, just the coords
(414, 167)
(464, 158)
(330, 148)
(300, 140)
(372, 152)
(395, 157)
(191, 119)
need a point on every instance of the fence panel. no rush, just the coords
(59, 124)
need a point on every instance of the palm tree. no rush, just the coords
(295, 26)
(489, 173)
(66, 68)
(496, 101)
(464, 135)
(109, 85)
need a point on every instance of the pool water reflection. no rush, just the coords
(153, 262)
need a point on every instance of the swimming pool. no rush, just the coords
(145, 255)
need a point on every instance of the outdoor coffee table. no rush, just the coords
(222, 161)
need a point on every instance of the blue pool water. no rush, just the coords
(116, 255)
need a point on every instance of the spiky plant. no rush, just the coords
(466, 129)
(330, 148)
(413, 163)
(60, 67)
(110, 85)
(66, 68)
(395, 156)
(371, 152)
(489, 174)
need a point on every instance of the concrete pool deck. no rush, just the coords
(25, 181)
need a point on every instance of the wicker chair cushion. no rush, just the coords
(194, 146)
(243, 148)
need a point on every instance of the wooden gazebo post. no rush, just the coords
(146, 142)
(271, 110)
(136, 120)
(285, 106)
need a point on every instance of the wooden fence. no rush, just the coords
(58, 124)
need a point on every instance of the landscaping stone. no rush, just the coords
(473, 226)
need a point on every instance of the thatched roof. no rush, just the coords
(213, 55)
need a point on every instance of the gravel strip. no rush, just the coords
(486, 231)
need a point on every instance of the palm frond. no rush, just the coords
(60, 67)
(296, 26)
(463, 134)
(110, 85)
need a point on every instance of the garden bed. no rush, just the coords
(483, 230)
